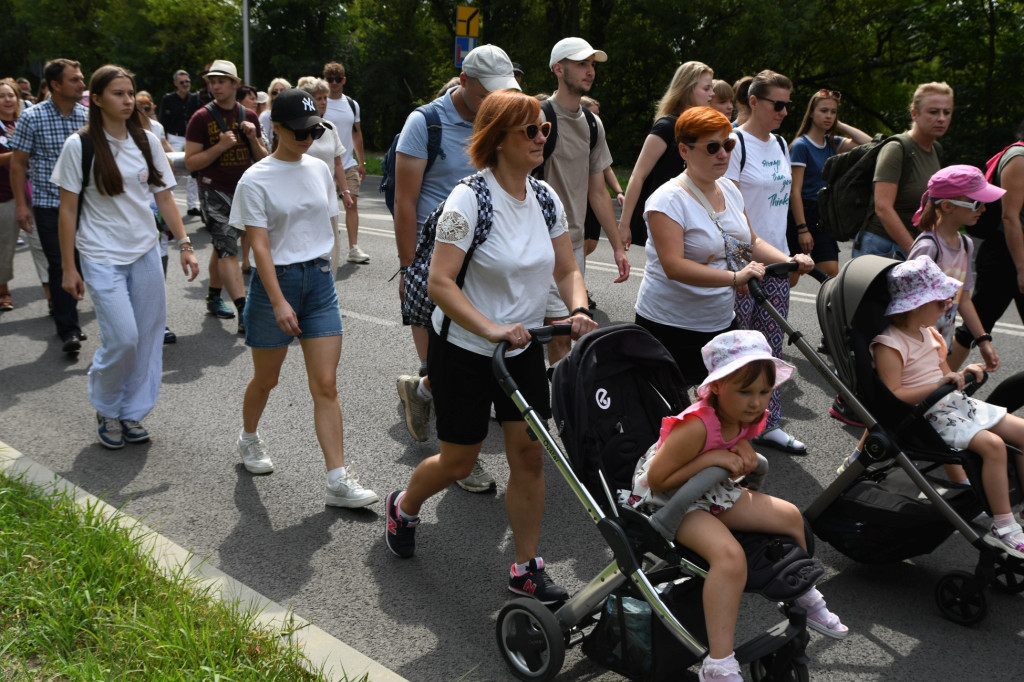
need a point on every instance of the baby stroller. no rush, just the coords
(642, 615)
(893, 502)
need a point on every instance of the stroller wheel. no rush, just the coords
(766, 669)
(530, 640)
(1009, 576)
(963, 608)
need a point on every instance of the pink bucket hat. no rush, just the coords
(916, 282)
(958, 181)
(730, 351)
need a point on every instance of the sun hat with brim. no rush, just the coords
(959, 181)
(222, 67)
(917, 282)
(731, 351)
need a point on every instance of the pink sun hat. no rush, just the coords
(959, 181)
(916, 282)
(731, 351)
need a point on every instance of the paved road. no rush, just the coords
(432, 617)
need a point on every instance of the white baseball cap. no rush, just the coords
(491, 66)
(576, 49)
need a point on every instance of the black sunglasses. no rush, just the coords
(778, 103)
(531, 129)
(713, 147)
(335, 80)
(316, 132)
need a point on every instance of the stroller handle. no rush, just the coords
(781, 270)
(540, 334)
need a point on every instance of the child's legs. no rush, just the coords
(759, 513)
(990, 447)
(727, 575)
(1011, 430)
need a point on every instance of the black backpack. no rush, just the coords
(222, 124)
(549, 145)
(417, 307)
(743, 146)
(387, 181)
(991, 218)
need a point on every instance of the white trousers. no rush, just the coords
(131, 307)
(191, 186)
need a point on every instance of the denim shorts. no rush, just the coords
(309, 289)
(872, 244)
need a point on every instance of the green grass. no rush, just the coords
(81, 600)
(373, 165)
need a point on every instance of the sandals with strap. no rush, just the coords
(827, 623)
(1009, 538)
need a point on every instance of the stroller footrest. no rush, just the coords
(789, 634)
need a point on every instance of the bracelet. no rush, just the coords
(585, 311)
(184, 240)
(801, 225)
(619, 192)
(803, 231)
(981, 339)
(733, 279)
(186, 248)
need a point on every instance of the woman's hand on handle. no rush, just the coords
(804, 261)
(752, 270)
(515, 334)
(581, 324)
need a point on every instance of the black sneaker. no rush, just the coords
(195, 212)
(73, 342)
(536, 583)
(399, 534)
(844, 413)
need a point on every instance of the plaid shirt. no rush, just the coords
(40, 133)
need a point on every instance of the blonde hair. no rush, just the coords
(679, 94)
(926, 89)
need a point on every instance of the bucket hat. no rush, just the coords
(731, 351)
(916, 282)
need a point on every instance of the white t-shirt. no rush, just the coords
(344, 117)
(510, 273)
(668, 302)
(121, 229)
(293, 201)
(157, 128)
(765, 182)
(327, 148)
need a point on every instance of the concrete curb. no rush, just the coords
(323, 651)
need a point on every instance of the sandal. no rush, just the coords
(1007, 538)
(827, 623)
(5, 301)
(791, 446)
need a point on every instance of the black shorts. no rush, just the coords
(825, 248)
(684, 346)
(464, 388)
(591, 225)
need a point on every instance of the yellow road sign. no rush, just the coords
(468, 22)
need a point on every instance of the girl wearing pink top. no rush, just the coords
(715, 432)
(910, 357)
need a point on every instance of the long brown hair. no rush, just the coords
(106, 174)
(805, 125)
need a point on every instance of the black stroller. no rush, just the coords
(608, 399)
(894, 502)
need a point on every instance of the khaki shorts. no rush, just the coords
(352, 178)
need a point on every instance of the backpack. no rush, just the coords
(743, 147)
(88, 151)
(847, 201)
(417, 308)
(991, 219)
(387, 164)
(549, 145)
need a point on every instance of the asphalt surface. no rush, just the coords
(431, 617)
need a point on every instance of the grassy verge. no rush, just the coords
(81, 600)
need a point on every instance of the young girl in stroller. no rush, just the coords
(715, 431)
(910, 357)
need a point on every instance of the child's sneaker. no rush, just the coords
(535, 582)
(1010, 539)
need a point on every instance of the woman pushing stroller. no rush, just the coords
(715, 431)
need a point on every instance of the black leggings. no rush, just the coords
(995, 285)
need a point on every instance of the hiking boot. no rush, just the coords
(133, 431)
(357, 255)
(346, 492)
(399, 534)
(844, 413)
(216, 306)
(254, 456)
(109, 431)
(417, 410)
(479, 481)
(536, 583)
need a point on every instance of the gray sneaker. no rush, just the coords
(417, 410)
(254, 456)
(479, 481)
(357, 255)
(346, 492)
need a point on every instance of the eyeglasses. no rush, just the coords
(713, 147)
(830, 94)
(778, 104)
(332, 79)
(531, 129)
(316, 132)
(973, 205)
(183, 81)
(147, 108)
(275, 93)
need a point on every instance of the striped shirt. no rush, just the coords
(40, 133)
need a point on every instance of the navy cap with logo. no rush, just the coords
(295, 109)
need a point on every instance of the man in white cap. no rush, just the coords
(575, 168)
(221, 141)
(422, 181)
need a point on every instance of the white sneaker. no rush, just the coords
(357, 255)
(254, 456)
(346, 492)
(479, 481)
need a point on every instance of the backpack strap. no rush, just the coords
(352, 106)
(547, 203)
(222, 124)
(484, 221)
(743, 146)
(88, 152)
(434, 131)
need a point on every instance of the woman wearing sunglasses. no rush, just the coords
(505, 291)
(702, 249)
(276, 87)
(761, 169)
(659, 161)
(285, 205)
(820, 137)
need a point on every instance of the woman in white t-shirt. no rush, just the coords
(118, 246)
(285, 205)
(504, 293)
(762, 171)
(693, 274)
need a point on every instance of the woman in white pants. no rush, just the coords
(118, 246)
